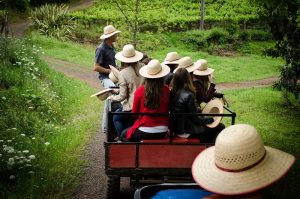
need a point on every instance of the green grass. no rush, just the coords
(41, 106)
(227, 69)
(279, 126)
(67, 51)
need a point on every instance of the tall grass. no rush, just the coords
(46, 120)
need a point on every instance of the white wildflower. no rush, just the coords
(33, 138)
(47, 143)
(4, 98)
(25, 151)
(12, 177)
(32, 157)
(31, 172)
(22, 134)
(14, 128)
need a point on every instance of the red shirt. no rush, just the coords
(146, 120)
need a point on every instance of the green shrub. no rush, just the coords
(259, 35)
(53, 20)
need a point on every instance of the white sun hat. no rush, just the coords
(214, 106)
(102, 95)
(187, 63)
(114, 74)
(172, 58)
(203, 69)
(109, 31)
(129, 54)
(154, 69)
(239, 163)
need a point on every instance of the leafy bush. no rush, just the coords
(53, 20)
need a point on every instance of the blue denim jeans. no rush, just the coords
(106, 83)
(122, 122)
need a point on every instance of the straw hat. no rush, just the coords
(114, 74)
(154, 69)
(172, 58)
(214, 106)
(203, 70)
(129, 55)
(109, 31)
(102, 95)
(187, 63)
(239, 163)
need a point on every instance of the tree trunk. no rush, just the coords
(202, 15)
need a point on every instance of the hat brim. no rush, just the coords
(190, 68)
(214, 106)
(114, 70)
(275, 164)
(164, 71)
(138, 56)
(109, 35)
(102, 95)
(208, 71)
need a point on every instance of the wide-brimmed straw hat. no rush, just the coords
(109, 31)
(203, 69)
(187, 63)
(172, 58)
(129, 54)
(239, 163)
(214, 106)
(114, 74)
(102, 95)
(154, 69)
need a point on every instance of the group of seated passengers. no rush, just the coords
(177, 85)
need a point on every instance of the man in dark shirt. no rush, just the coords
(105, 56)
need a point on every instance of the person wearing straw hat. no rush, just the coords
(105, 56)
(129, 80)
(171, 60)
(203, 82)
(239, 163)
(151, 97)
(183, 101)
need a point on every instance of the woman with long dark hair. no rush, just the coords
(183, 101)
(151, 97)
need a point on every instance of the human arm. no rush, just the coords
(123, 90)
(101, 69)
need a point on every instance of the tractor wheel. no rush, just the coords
(113, 187)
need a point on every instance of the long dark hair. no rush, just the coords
(182, 80)
(153, 92)
(203, 80)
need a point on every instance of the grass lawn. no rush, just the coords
(279, 126)
(227, 69)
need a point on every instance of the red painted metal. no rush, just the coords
(168, 156)
(122, 156)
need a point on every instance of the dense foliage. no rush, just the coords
(38, 138)
(285, 26)
(52, 20)
(174, 14)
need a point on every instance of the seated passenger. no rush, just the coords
(152, 97)
(129, 80)
(183, 101)
(203, 82)
(171, 60)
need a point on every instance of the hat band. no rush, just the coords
(243, 169)
(128, 55)
(172, 60)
